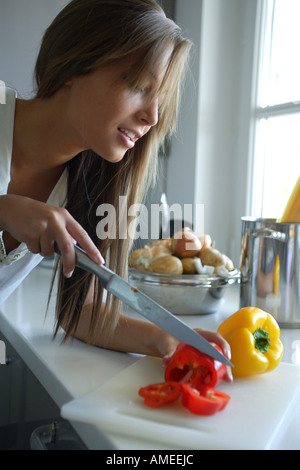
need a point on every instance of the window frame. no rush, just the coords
(255, 177)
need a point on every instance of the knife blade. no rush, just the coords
(147, 307)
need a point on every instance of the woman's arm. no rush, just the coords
(141, 337)
(130, 335)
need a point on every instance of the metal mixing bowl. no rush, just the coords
(188, 294)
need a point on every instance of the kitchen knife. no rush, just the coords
(145, 306)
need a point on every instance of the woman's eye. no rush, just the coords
(138, 89)
(144, 89)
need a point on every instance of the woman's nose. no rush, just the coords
(149, 113)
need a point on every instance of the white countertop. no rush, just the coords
(70, 370)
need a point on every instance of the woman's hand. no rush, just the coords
(218, 339)
(41, 225)
(210, 336)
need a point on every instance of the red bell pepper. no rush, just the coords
(202, 400)
(156, 395)
(190, 365)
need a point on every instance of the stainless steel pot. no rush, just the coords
(270, 269)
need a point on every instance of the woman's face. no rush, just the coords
(107, 115)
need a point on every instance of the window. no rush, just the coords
(276, 150)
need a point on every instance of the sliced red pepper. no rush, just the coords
(202, 400)
(190, 365)
(156, 395)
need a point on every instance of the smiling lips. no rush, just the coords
(129, 137)
(130, 134)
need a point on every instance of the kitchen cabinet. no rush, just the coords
(25, 406)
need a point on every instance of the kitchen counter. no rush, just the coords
(70, 370)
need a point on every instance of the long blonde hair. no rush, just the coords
(88, 34)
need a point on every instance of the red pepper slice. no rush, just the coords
(156, 395)
(202, 400)
(190, 365)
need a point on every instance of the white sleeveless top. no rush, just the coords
(17, 264)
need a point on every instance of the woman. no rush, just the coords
(108, 80)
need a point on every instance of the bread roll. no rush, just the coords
(188, 265)
(166, 265)
(140, 259)
(211, 257)
(228, 263)
(158, 250)
(166, 242)
(205, 241)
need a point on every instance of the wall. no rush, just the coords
(209, 157)
(22, 24)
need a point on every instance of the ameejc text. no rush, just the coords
(2, 353)
(172, 459)
(2, 92)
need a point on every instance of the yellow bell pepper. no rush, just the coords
(253, 336)
(291, 212)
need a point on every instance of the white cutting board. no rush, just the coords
(256, 417)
